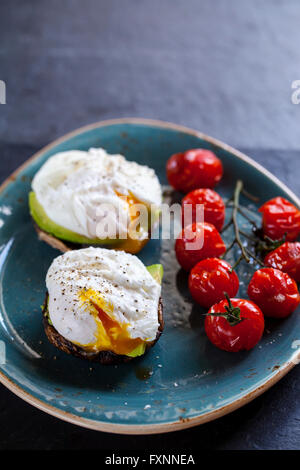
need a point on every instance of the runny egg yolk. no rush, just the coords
(110, 334)
(131, 200)
(131, 245)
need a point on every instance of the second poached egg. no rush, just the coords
(103, 299)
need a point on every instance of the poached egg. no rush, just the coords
(86, 192)
(103, 300)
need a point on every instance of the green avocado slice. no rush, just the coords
(40, 217)
(156, 271)
(138, 351)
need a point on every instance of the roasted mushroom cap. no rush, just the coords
(103, 357)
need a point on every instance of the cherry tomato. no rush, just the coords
(280, 217)
(209, 279)
(214, 207)
(275, 292)
(286, 258)
(195, 168)
(196, 242)
(239, 328)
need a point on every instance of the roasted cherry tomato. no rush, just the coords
(209, 279)
(197, 242)
(214, 207)
(239, 325)
(275, 292)
(280, 217)
(196, 168)
(286, 258)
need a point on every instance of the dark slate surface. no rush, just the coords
(223, 67)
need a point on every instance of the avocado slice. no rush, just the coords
(138, 351)
(42, 220)
(156, 271)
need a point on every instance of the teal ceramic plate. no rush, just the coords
(184, 380)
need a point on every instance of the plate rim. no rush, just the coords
(182, 423)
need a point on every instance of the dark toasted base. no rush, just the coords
(60, 245)
(104, 357)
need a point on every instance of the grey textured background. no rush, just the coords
(224, 67)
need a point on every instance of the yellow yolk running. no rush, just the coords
(110, 334)
(131, 201)
(131, 245)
